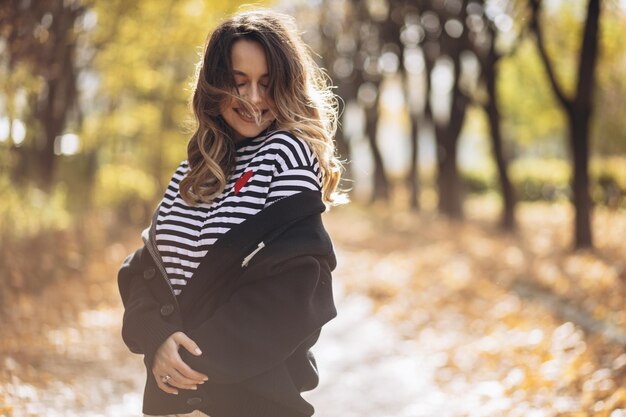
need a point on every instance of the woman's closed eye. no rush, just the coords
(262, 85)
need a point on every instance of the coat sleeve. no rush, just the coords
(265, 320)
(143, 327)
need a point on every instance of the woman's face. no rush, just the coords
(252, 79)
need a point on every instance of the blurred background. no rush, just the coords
(482, 259)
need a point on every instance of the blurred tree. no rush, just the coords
(337, 47)
(578, 110)
(358, 40)
(369, 77)
(608, 132)
(42, 37)
(483, 36)
(351, 46)
(136, 95)
(526, 93)
(445, 41)
(402, 34)
(116, 73)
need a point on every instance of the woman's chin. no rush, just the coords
(250, 132)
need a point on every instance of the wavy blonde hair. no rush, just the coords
(304, 104)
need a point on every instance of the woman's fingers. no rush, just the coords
(184, 369)
(167, 361)
(175, 380)
(170, 367)
(179, 381)
(163, 386)
(185, 341)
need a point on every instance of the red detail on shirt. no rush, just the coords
(242, 181)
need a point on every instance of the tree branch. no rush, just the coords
(536, 28)
(588, 53)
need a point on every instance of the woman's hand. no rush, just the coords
(167, 361)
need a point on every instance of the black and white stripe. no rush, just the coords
(282, 165)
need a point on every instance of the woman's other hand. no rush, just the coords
(167, 362)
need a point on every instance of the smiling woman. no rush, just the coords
(252, 80)
(257, 75)
(232, 285)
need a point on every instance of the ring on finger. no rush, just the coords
(165, 378)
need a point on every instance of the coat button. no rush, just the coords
(167, 309)
(149, 273)
(194, 400)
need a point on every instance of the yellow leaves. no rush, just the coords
(514, 257)
(146, 55)
(62, 345)
(589, 272)
(139, 119)
(26, 211)
(457, 272)
(617, 399)
(443, 285)
(525, 95)
(446, 285)
(118, 184)
(6, 409)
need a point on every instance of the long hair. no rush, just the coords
(303, 104)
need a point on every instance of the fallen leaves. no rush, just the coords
(457, 291)
(61, 353)
(501, 315)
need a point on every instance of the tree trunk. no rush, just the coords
(507, 221)
(579, 112)
(50, 105)
(59, 96)
(380, 183)
(579, 133)
(448, 181)
(580, 126)
(413, 175)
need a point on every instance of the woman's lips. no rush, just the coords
(248, 117)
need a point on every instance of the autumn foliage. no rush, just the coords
(515, 324)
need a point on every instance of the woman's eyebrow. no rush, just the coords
(237, 72)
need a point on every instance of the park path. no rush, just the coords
(371, 366)
(367, 368)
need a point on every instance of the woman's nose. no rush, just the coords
(254, 94)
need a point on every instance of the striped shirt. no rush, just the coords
(268, 168)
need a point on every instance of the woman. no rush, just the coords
(233, 282)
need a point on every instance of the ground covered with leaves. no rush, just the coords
(531, 326)
(508, 324)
